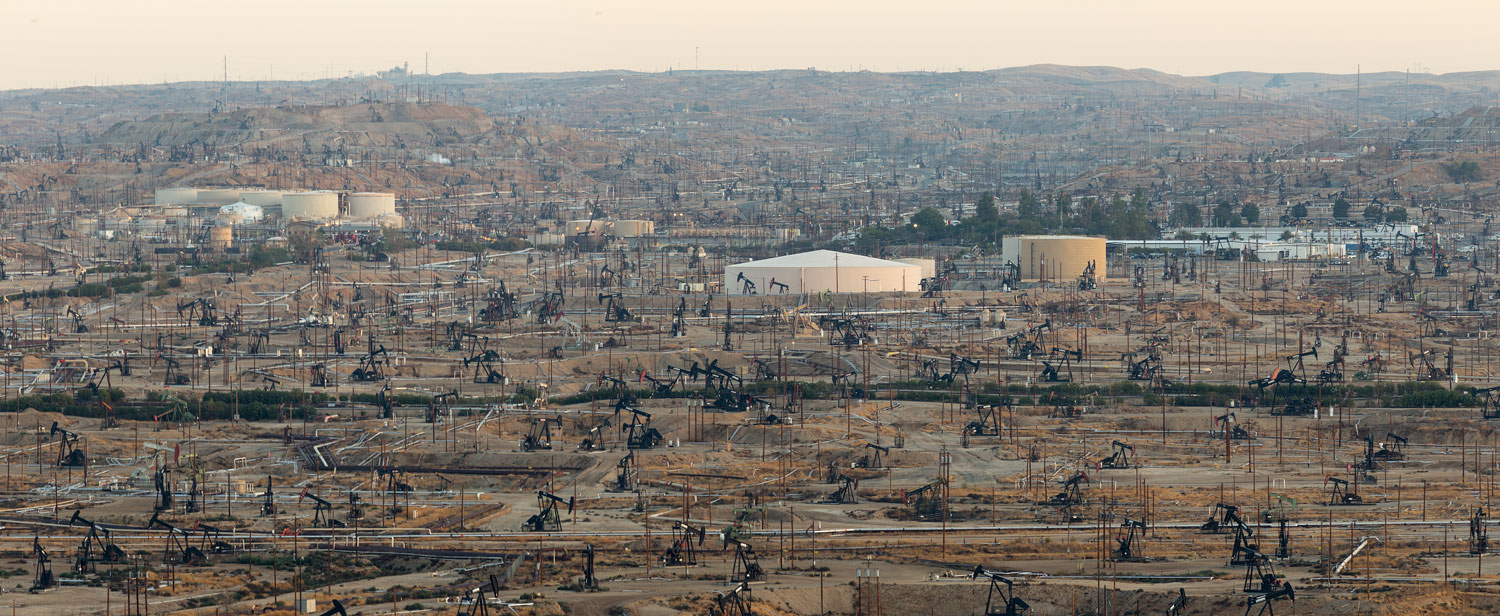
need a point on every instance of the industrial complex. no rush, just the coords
(781, 343)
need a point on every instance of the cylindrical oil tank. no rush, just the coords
(371, 205)
(597, 227)
(176, 196)
(218, 196)
(393, 221)
(633, 228)
(220, 238)
(262, 197)
(245, 211)
(318, 205)
(1055, 258)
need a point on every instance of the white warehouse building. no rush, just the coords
(822, 270)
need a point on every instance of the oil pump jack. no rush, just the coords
(1265, 600)
(1072, 492)
(1489, 401)
(638, 433)
(94, 549)
(336, 610)
(163, 486)
(177, 550)
(1260, 573)
(746, 565)
(846, 494)
(1393, 449)
(747, 285)
(615, 311)
(43, 579)
(1001, 600)
(1339, 492)
(1177, 605)
(371, 364)
(548, 519)
(1479, 532)
(440, 407)
(1128, 548)
(733, 603)
(69, 454)
(213, 538)
(625, 473)
(540, 436)
(1243, 534)
(322, 511)
(684, 551)
(1120, 459)
(987, 422)
(268, 506)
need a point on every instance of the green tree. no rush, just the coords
(1395, 214)
(985, 212)
(1250, 212)
(1466, 171)
(1374, 212)
(1029, 207)
(1185, 214)
(930, 223)
(1225, 215)
(1298, 211)
(1341, 208)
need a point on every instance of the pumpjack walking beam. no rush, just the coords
(1003, 589)
(1265, 600)
(684, 550)
(548, 519)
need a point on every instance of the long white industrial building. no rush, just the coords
(819, 271)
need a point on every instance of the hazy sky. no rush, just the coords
(49, 43)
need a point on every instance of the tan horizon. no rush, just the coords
(92, 42)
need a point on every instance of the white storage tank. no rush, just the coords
(371, 205)
(218, 196)
(246, 212)
(262, 198)
(316, 205)
(176, 196)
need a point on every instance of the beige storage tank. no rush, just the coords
(371, 205)
(220, 238)
(176, 196)
(576, 227)
(1055, 258)
(392, 221)
(633, 228)
(317, 205)
(218, 196)
(262, 198)
(174, 212)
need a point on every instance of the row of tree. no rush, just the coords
(1116, 218)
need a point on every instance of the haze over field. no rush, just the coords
(177, 40)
